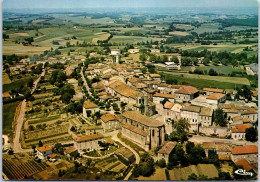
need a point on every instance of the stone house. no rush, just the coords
(44, 151)
(251, 114)
(88, 142)
(93, 129)
(89, 106)
(192, 114)
(239, 131)
(220, 148)
(206, 116)
(142, 130)
(109, 122)
(166, 151)
(186, 93)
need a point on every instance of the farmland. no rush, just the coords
(8, 116)
(19, 168)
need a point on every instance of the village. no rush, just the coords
(115, 116)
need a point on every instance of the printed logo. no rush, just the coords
(243, 172)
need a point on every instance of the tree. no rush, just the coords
(73, 128)
(193, 176)
(142, 57)
(30, 83)
(175, 60)
(219, 118)
(164, 101)
(251, 134)
(60, 173)
(161, 163)
(58, 148)
(181, 133)
(189, 146)
(40, 144)
(196, 154)
(31, 127)
(212, 72)
(34, 147)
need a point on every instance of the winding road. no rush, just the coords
(17, 145)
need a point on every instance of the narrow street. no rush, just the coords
(85, 82)
(17, 145)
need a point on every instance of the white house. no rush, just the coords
(44, 151)
(192, 114)
(216, 98)
(109, 122)
(132, 51)
(239, 131)
(89, 106)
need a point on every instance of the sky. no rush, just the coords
(60, 4)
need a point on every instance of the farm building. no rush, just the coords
(125, 155)
(132, 51)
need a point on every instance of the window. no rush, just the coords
(152, 132)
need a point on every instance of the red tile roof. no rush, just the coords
(216, 96)
(108, 117)
(168, 105)
(88, 105)
(5, 94)
(247, 149)
(187, 90)
(213, 90)
(171, 96)
(167, 148)
(240, 128)
(88, 137)
(44, 148)
(245, 164)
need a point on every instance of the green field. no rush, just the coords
(202, 83)
(15, 85)
(221, 69)
(8, 116)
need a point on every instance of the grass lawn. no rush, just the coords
(8, 116)
(202, 83)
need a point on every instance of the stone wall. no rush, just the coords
(220, 132)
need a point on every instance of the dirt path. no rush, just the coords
(17, 145)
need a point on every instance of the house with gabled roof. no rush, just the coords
(239, 131)
(89, 106)
(166, 150)
(88, 142)
(186, 93)
(109, 122)
(216, 98)
(44, 151)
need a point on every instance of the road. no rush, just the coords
(17, 145)
(201, 139)
(137, 157)
(85, 82)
